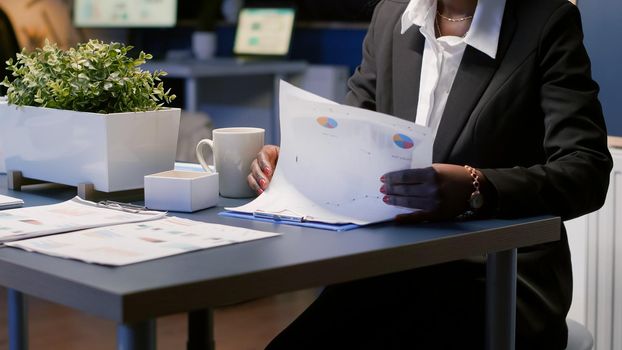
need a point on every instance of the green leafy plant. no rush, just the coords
(93, 77)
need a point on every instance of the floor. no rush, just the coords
(246, 326)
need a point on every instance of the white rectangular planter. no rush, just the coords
(112, 151)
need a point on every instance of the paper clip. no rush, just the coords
(278, 216)
(127, 207)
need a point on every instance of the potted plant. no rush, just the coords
(87, 115)
(204, 37)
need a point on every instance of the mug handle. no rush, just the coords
(199, 152)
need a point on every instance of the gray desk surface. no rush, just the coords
(298, 259)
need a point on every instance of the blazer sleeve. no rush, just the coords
(362, 84)
(575, 176)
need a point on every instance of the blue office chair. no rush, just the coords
(579, 337)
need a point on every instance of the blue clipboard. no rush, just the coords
(279, 219)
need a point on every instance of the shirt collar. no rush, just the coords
(416, 13)
(485, 27)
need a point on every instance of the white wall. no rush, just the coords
(577, 238)
(596, 247)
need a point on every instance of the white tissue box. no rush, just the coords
(185, 191)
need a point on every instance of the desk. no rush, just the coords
(194, 70)
(133, 296)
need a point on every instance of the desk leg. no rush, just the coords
(18, 320)
(137, 336)
(201, 330)
(191, 91)
(501, 300)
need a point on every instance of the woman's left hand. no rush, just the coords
(440, 192)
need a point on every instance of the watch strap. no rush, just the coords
(476, 199)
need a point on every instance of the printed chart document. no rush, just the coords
(331, 160)
(7, 202)
(131, 243)
(71, 215)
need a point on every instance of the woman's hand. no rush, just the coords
(262, 168)
(440, 192)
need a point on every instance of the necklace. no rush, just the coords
(440, 34)
(460, 19)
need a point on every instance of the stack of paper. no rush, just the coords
(71, 215)
(7, 202)
(131, 243)
(112, 233)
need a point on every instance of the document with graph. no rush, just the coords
(131, 243)
(71, 215)
(331, 160)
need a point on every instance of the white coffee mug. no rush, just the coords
(204, 44)
(233, 151)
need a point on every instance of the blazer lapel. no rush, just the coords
(407, 58)
(474, 75)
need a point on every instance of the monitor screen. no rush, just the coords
(264, 31)
(124, 13)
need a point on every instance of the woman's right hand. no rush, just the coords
(262, 168)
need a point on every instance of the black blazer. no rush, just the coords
(529, 119)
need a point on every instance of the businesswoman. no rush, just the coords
(506, 86)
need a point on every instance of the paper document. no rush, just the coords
(131, 243)
(71, 215)
(7, 202)
(331, 160)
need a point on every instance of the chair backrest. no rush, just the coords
(579, 337)
(8, 45)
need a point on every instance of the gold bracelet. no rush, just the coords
(476, 200)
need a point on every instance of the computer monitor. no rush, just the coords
(124, 13)
(263, 31)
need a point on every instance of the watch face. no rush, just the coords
(477, 200)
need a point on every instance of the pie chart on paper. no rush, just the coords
(327, 122)
(403, 141)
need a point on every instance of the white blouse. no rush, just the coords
(442, 56)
